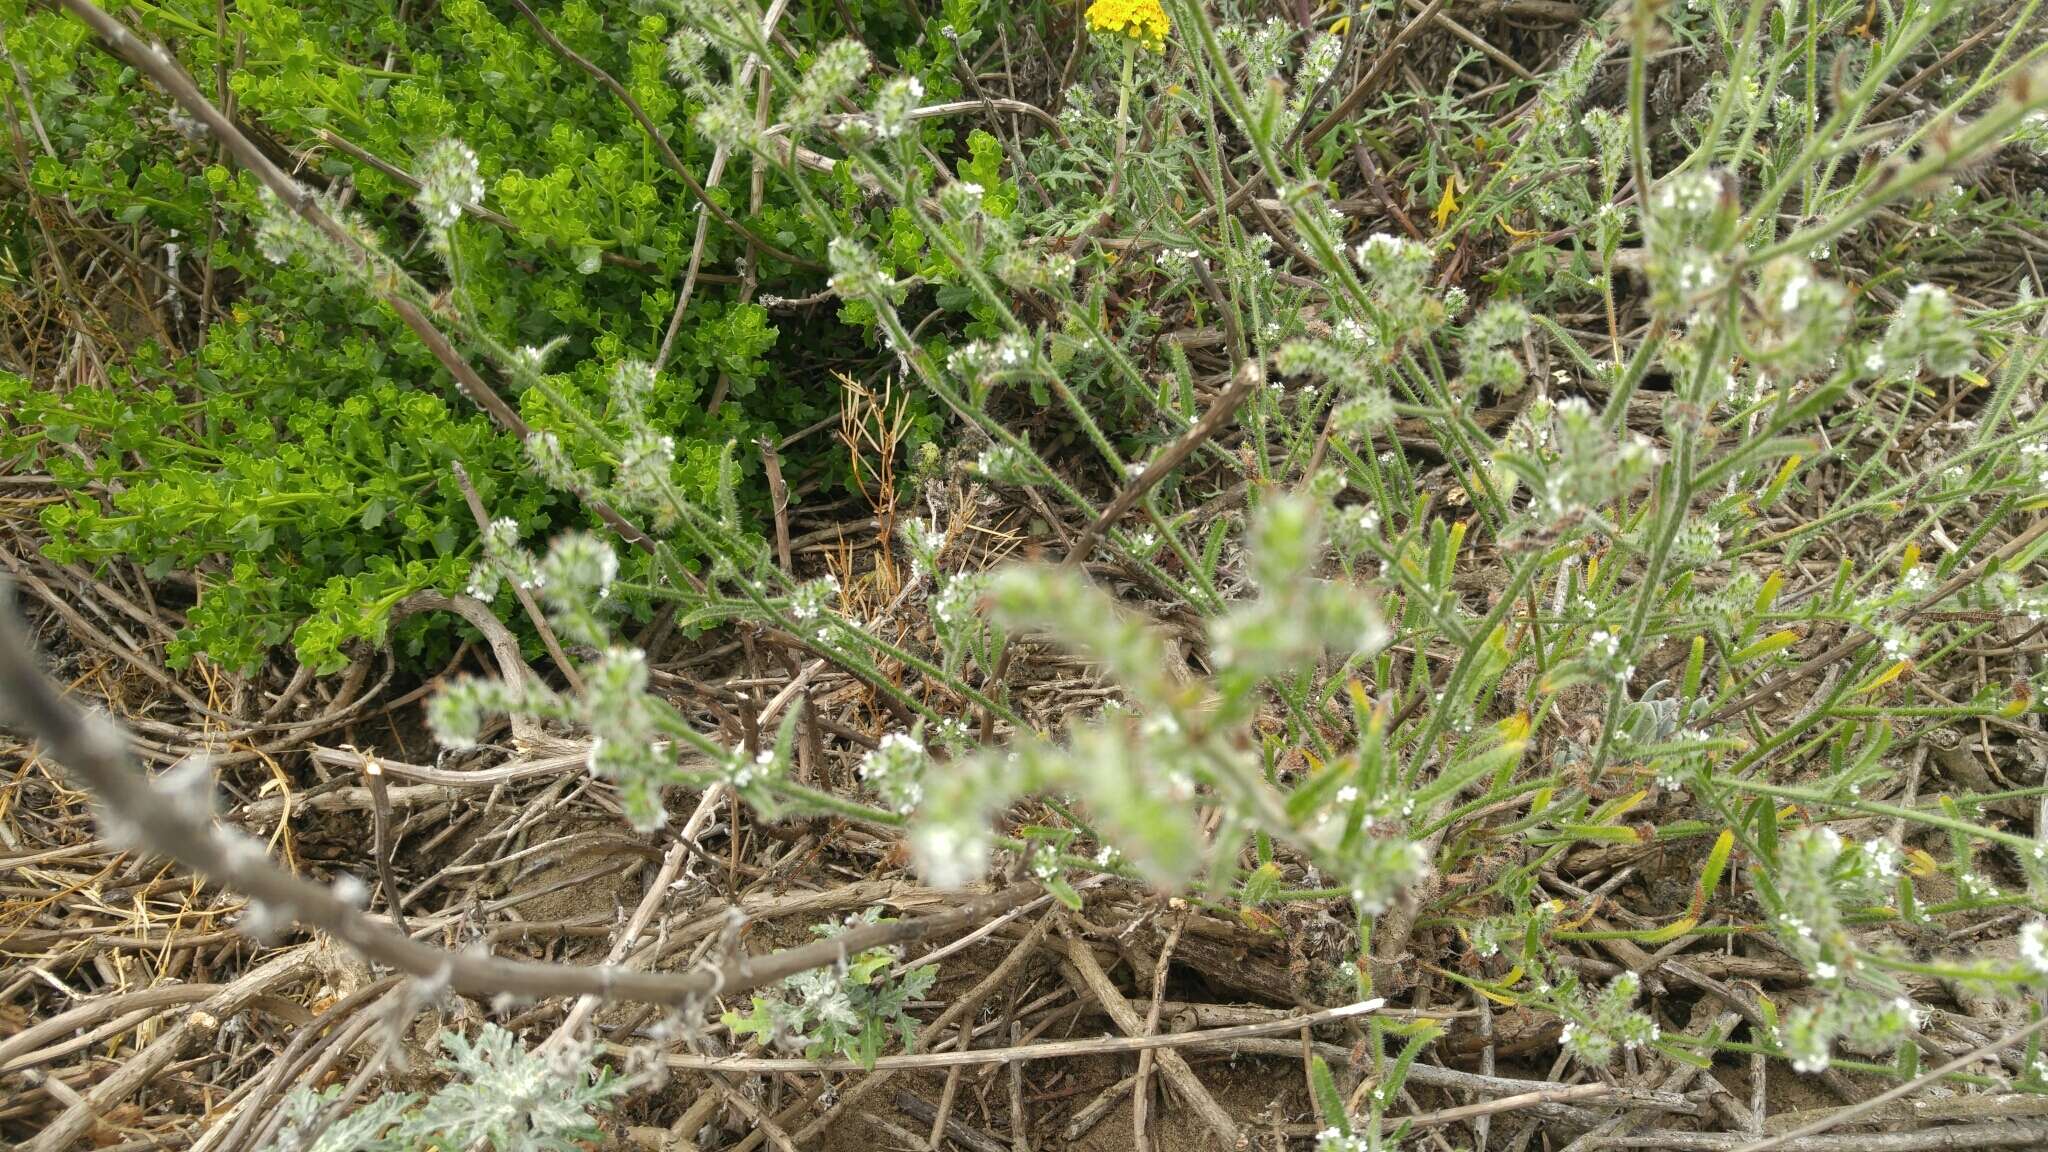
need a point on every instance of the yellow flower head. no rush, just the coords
(1141, 20)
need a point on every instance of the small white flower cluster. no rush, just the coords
(838, 67)
(646, 463)
(1045, 862)
(895, 104)
(1338, 1140)
(856, 274)
(744, 771)
(2034, 462)
(1604, 654)
(625, 727)
(2011, 594)
(1609, 1023)
(550, 458)
(1335, 360)
(1262, 48)
(814, 598)
(1489, 361)
(1805, 1043)
(726, 121)
(1176, 261)
(2033, 948)
(950, 855)
(1318, 63)
(633, 386)
(1698, 543)
(449, 182)
(1027, 270)
(456, 713)
(576, 578)
(961, 199)
(1143, 544)
(282, 234)
(1929, 334)
(1976, 886)
(1004, 464)
(1006, 357)
(895, 770)
(1804, 316)
(504, 558)
(686, 50)
(1687, 199)
(1895, 639)
(1609, 132)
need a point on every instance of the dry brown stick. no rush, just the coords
(1863, 1107)
(1363, 154)
(1485, 48)
(1020, 1117)
(1960, 1138)
(380, 843)
(1913, 1113)
(525, 598)
(235, 1118)
(1088, 971)
(1102, 1046)
(94, 750)
(1091, 1113)
(197, 1028)
(944, 1111)
(650, 902)
(19, 1050)
(1849, 647)
(778, 497)
(904, 1137)
(1369, 83)
(1562, 1094)
(947, 1127)
(997, 978)
(1140, 1106)
(762, 1122)
(1249, 376)
(512, 666)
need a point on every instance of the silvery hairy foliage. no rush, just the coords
(499, 1093)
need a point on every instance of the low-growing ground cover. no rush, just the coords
(1026, 575)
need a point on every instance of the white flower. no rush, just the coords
(2034, 947)
(950, 855)
(449, 182)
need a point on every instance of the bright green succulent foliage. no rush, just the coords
(293, 452)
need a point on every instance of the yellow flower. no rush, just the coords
(1142, 20)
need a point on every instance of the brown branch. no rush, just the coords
(187, 1036)
(1087, 972)
(95, 751)
(1249, 376)
(1164, 1043)
(1388, 57)
(1960, 1138)
(525, 598)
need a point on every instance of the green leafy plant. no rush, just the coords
(848, 1010)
